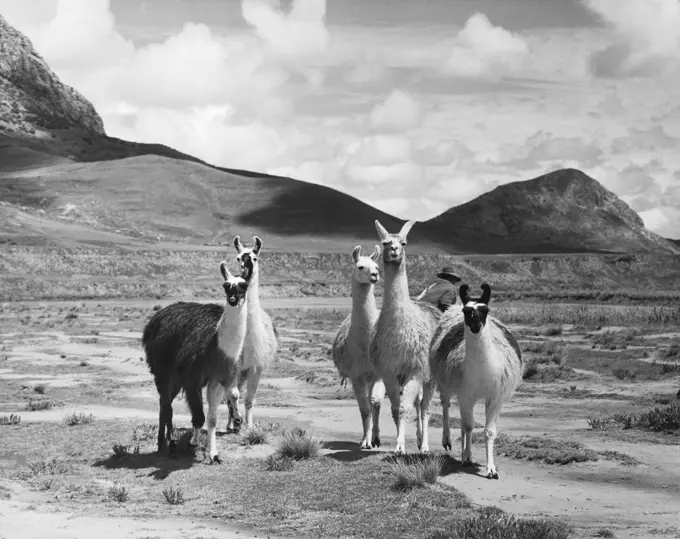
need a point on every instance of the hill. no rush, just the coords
(63, 181)
(562, 211)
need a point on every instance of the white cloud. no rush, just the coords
(663, 220)
(482, 50)
(399, 111)
(647, 37)
(301, 33)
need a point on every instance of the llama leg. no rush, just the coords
(419, 419)
(446, 425)
(170, 429)
(251, 388)
(411, 390)
(215, 394)
(428, 389)
(361, 393)
(377, 392)
(234, 421)
(195, 400)
(493, 409)
(467, 423)
(393, 393)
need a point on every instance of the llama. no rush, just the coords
(352, 343)
(190, 345)
(474, 356)
(261, 343)
(401, 339)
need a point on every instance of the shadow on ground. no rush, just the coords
(185, 457)
(344, 451)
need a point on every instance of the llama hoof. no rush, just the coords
(400, 450)
(365, 444)
(425, 449)
(215, 459)
(446, 444)
(492, 475)
(376, 441)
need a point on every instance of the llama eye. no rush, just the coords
(360, 267)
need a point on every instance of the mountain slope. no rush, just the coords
(562, 211)
(152, 197)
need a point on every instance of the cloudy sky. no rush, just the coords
(411, 105)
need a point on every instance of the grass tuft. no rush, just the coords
(49, 467)
(144, 432)
(409, 474)
(119, 493)
(298, 445)
(78, 418)
(120, 450)
(11, 419)
(493, 523)
(40, 389)
(174, 496)
(274, 463)
(604, 532)
(254, 436)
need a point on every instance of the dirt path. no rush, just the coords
(19, 519)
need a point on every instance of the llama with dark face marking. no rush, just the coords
(190, 345)
(352, 343)
(474, 356)
(401, 341)
(261, 342)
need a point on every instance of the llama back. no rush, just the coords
(261, 343)
(179, 333)
(401, 340)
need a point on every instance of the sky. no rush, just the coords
(413, 106)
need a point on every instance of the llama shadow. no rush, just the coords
(344, 451)
(450, 466)
(164, 464)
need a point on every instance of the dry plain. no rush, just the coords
(575, 445)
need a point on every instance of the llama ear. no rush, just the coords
(238, 244)
(463, 294)
(356, 253)
(486, 296)
(224, 270)
(382, 232)
(406, 229)
(258, 245)
(376, 254)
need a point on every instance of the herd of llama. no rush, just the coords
(406, 350)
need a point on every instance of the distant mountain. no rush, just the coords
(64, 181)
(560, 212)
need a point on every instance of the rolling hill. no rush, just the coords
(63, 181)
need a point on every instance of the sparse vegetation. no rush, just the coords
(174, 496)
(11, 419)
(42, 404)
(551, 451)
(119, 493)
(144, 432)
(657, 419)
(605, 533)
(40, 389)
(120, 450)
(78, 418)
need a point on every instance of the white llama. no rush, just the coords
(190, 345)
(401, 341)
(261, 342)
(474, 356)
(352, 343)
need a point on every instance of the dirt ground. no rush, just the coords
(85, 357)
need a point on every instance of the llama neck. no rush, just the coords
(231, 329)
(363, 304)
(254, 290)
(479, 345)
(396, 285)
